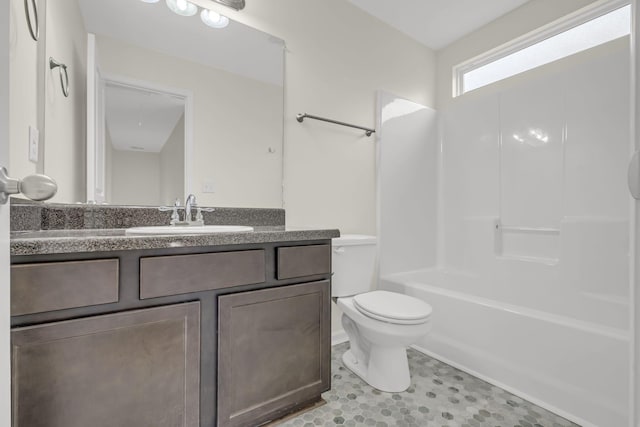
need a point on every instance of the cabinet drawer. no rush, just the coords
(36, 288)
(300, 261)
(181, 274)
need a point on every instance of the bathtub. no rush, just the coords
(574, 365)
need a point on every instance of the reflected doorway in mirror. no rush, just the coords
(140, 143)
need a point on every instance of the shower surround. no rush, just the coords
(526, 262)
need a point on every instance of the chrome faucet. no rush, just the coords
(189, 203)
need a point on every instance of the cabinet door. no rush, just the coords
(138, 368)
(273, 352)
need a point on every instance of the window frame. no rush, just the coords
(567, 22)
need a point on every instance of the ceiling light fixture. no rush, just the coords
(213, 19)
(182, 7)
(233, 4)
(209, 17)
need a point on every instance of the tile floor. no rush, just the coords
(440, 395)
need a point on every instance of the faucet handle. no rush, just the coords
(199, 218)
(175, 216)
(169, 208)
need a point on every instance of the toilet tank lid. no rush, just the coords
(353, 240)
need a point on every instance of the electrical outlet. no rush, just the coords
(34, 139)
(208, 187)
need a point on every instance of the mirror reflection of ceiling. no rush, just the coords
(236, 48)
(437, 23)
(140, 120)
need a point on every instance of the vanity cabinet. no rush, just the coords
(273, 352)
(235, 335)
(136, 368)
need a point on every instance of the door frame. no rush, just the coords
(634, 250)
(5, 312)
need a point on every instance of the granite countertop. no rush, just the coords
(100, 240)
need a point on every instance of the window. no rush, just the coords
(589, 27)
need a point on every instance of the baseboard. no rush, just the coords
(503, 386)
(338, 337)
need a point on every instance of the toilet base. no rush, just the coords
(387, 368)
(378, 350)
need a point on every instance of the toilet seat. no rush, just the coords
(392, 307)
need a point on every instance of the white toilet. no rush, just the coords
(380, 324)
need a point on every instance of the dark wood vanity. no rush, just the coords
(226, 335)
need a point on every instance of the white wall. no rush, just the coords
(337, 58)
(144, 178)
(135, 178)
(171, 174)
(108, 164)
(23, 86)
(65, 118)
(236, 120)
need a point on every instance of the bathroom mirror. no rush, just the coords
(174, 106)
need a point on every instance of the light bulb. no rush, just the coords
(213, 19)
(210, 14)
(182, 7)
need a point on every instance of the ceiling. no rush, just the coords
(140, 120)
(437, 23)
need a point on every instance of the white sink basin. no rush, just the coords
(187, 229)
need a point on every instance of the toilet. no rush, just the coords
(380, 324)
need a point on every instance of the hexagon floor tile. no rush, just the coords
(439, 395)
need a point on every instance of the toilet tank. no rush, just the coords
(353, 264)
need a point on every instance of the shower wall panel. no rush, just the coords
(407, 183)
(536, 217)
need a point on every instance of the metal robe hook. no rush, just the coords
(64, 75)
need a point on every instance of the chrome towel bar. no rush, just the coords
(301, 117)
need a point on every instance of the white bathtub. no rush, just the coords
(574, 366)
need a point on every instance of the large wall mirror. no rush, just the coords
(165, 104)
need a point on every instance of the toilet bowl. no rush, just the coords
(380, 324)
